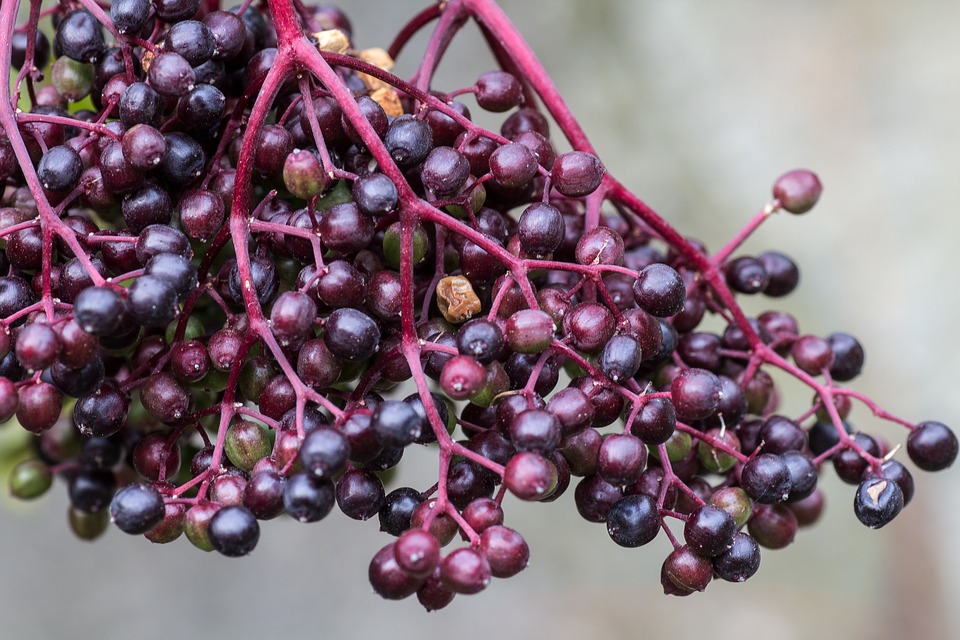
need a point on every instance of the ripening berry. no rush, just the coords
(530, 476)
(797, 190)
(461, 377)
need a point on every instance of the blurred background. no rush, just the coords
(698, 106)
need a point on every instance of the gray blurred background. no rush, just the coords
(698, 106)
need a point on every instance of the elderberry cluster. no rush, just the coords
(245, 268)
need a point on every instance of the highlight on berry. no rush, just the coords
(245, 267)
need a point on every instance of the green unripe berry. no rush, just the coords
(734, 501)
(303, 174)
(30, 479)
(73, 80)
(192, 331)
(715, 460)
(678, 446)
(196, 525)
(497, 382)
(392, 243)
(246, 444)
(88, 526)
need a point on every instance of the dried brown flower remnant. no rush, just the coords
(456, 299)
(389, 100)
(333, 40)
(378, 58)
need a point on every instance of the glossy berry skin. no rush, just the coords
(203, 107)
(103, 412)
(589, 326)
(292, 318)
(465, 571)
(747, 275)
(513, 165)
(59, 168)
(234, 531)
(375, 194)
(39, 407)
(803, 475)
(417, 552)
(388, 579)
(152, 301)
(848, 356)
(263, 494)
(685, 571)
(535, 430)
(780, 434)
(849, 464)
(360, 494)
(398, 507)
(171, 74)
(621, 458)
(541, 229)
(308, 498)
(531, 331)
(877, 502)
(351, 334)
(766, 478)
(655, 422)
(191, 39)
(576, 173)
(140, 104)
(505, 550)
(444, 172)
(408, 140)
(696, 394)
(601, 245)
(183, 161)
(594, 498)
(137, 508)
(740, 561)
(812, 354)
(659, 290)
(932, 446)
(783, 275)
(79, 37)
(480, 339)
(709, 530)
(462, 377)
(773, 526)
(324, 452)
(530, 476)
(129, 16)
(395, 424)
(633, 520)
(498, 91)
(621, 358)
